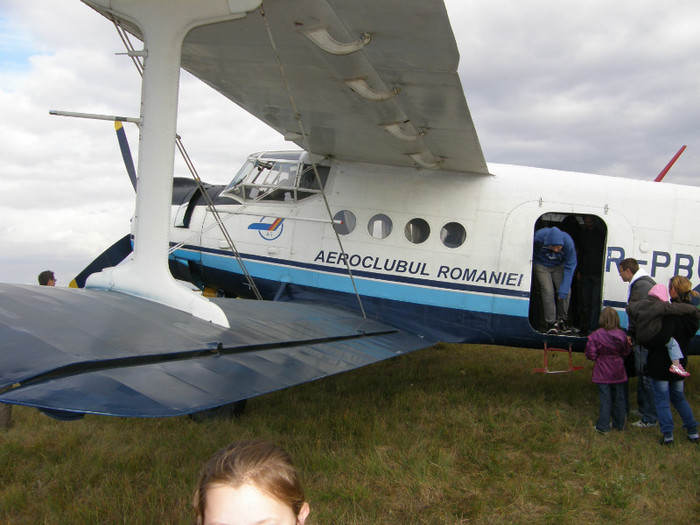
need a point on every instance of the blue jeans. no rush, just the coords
(645, 396)
(674, 351)
(665, 394)
(612, 404)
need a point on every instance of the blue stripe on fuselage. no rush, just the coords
(386, 286)
(483, 314)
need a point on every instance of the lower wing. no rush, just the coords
(99, 352)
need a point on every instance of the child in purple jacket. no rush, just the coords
(607, 347)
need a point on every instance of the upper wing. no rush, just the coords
(99, 352)
(412, 49)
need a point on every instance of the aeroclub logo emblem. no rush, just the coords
(269, 228)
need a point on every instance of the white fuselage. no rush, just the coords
(489, 274)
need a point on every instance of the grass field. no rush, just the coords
(454, 434)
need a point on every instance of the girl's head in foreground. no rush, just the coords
(250, 482)
(609, 320)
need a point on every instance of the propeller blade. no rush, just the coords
(110, 257)
(126, 152)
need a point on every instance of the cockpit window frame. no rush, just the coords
(280, 177)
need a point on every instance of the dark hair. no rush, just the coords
(629, 264)
(609, 320)
(45, 277)
(264, 465)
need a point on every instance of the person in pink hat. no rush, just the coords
(648, 317)
(678, 320)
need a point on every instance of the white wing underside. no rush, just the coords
(412, 49)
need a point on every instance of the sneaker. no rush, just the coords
(600, 431)
(553, 329)
(679, 370)
(667, 441)
(694, 438)
(644, 424)
(565, 328)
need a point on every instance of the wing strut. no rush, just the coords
(146, 273)
(136, 58)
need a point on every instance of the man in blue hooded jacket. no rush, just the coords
(554, 262)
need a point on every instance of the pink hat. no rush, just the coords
(660, 292)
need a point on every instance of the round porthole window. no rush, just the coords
(379, 226)
(417, 231)
(344, 222)
(453, 235)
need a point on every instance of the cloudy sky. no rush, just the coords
(597, 86)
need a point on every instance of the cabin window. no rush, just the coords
(380, 226)
(417, 231)
(453, 235)
(344, 222)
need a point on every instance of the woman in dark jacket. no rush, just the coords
(668, 387)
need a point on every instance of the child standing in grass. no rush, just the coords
(607, 347)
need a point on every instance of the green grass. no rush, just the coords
(454, 434)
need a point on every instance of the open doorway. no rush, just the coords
(580, 315)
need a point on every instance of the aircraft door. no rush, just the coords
(586, 235)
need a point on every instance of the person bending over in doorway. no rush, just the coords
(554, 262)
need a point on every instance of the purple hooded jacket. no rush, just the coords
(608, 349)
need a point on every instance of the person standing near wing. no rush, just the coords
(554, 262)
(47, 278)
(640, 286)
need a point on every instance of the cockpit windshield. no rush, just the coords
(277, 176)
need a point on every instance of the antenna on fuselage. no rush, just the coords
(664, 171)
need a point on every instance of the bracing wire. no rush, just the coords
(305, 139)
(217, 217)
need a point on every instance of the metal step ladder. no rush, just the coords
(546, 369)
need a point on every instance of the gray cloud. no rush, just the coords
(603, 87)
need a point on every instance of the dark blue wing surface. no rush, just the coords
(88, 351)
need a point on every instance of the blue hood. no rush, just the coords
(555, 237)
